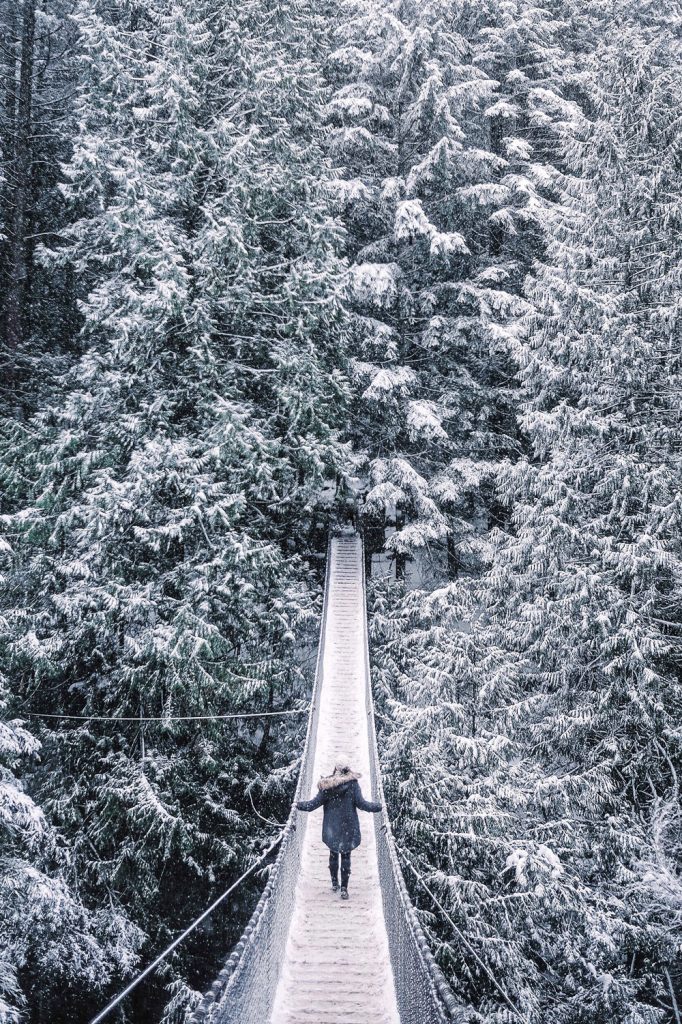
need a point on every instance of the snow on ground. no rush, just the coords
(337, 968)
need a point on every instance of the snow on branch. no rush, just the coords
(375, 283)
(388, 381)
(411, 222)
(424, 420)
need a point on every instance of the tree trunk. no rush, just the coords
(267, 727)
(400, 558)
(453, 558)
(20, 191)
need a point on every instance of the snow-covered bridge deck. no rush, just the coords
(337, 966)
(306, 957)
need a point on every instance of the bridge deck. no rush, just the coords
(337, 968)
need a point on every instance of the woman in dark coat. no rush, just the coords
(340, 795)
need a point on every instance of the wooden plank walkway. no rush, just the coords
(337, 968)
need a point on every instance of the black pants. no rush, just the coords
(334, 867)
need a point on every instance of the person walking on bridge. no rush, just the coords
(341, 797)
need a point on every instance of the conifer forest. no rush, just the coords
(271, 266)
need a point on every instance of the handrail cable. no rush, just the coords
(464, 939)
(445, 996)
(176, 942)
(157, 718)
(230, 974)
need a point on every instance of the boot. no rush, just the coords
(344, 892)
(335, 879)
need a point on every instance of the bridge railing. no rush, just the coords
(244, 991)
(424, 996)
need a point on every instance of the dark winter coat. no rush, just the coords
(340, 795)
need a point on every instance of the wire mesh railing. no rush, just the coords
(244, 991)
(423, 994)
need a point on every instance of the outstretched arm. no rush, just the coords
(311, 805)
(362, 804)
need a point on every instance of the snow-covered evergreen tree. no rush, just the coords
(505, 174)
(155, 514)
(536, 713)
(50, 943)
(39, 79)
(435, 275)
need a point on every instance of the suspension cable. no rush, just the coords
(176, 942)
(159, 718)
(464, 939)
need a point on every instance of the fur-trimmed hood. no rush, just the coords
(332, 781)
(342, 798)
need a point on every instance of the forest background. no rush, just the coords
(249, 249)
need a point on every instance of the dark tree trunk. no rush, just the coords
(267, 726)
(19, 181)
(453, 559)
(400, 558)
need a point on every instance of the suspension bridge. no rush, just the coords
(306, 957)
